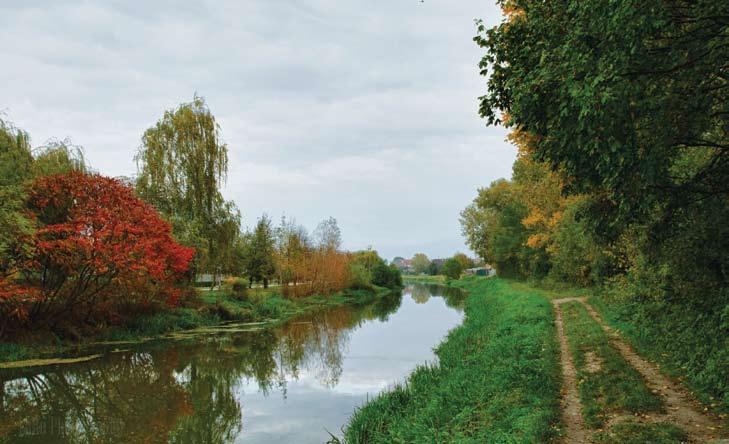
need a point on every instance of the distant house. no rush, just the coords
(208, 280)
(404, 265)
(486, 270)
(439, 262)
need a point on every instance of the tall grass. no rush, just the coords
(687, 341)
(497, 378)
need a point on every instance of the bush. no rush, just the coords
(239, 289)
(273, 307)
(386, 276)
(685, 337)
(452, 268)
(360, 277)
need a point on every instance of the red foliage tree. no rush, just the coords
(98, 251)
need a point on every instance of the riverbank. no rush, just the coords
(541, 365)
(497, 380)
(424, 279)
(209, 310)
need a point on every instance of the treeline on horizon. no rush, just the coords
(452, 267)
(79, 250)
(620, 112)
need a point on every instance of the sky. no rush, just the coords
(365, 111)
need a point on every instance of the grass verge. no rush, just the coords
(689, 343)
(607, 383)
(424, 279)
(497, 378)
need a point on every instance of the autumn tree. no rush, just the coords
(98, 250)
(182, 163)
(292, 248)
(19, 164)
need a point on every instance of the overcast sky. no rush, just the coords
(361, 110)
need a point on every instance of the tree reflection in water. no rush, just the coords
(182, 393)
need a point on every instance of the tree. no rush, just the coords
(98, 249)
(452, 268)
(58, 157)
(465, 261)
(378, 271)
(292, 247)
(259, 255)
(617, 98)
(15, 168)
(19, 164)
(499, 236)
(182, 163)
(16, 158)
(388, 276)
(433, 269)
(328, 235)
(420, 263)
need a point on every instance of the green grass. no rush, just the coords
(611, 385)
(426, 279)
(497, 380)
(643, 434)
(550, 290)
(689, 343)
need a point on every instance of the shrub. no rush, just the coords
(452, 268)
(386, 276)
(239, 289)
(99, 249)
(360, 278)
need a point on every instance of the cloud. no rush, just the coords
(363, 111)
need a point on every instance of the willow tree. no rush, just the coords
(16, 162)
(19, 164)
(182, 163)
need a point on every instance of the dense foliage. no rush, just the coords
(620, 114)
(182, 163)
(452, 268)
(97, 250)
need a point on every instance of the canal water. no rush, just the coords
(295, 383)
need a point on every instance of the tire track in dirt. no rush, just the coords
(575, 431)
(682, 409)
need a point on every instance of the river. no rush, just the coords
(294, 383)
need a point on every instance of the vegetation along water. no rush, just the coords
(596, 309)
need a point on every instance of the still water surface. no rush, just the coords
(289, 384)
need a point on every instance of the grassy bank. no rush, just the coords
(688, 341)
(424, 279)
(211, 308)
(497, 380)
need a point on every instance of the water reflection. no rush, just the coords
(230, 388)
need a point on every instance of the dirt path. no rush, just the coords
(571, 406)
(682, 410)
